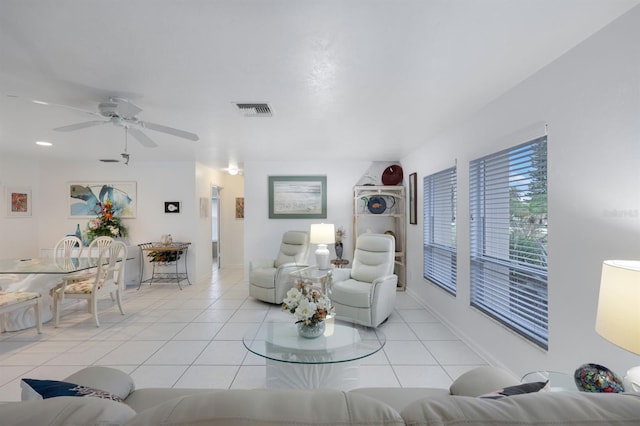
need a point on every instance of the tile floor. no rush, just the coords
(193, 338)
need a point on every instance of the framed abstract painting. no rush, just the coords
(18, 200)
(84, 198)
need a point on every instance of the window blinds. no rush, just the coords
(508, 207)
(440, 257)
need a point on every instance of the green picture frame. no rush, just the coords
(297, 197)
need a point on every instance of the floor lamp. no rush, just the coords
(618, 318)
(322, 234)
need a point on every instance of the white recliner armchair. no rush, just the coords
(366, 293)
(269, 279)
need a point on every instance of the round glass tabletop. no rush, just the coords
(341, 342)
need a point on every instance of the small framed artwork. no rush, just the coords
(205, 203)
(239, 207)
(413, 199)
(297, 197)
(172, 206)
(18, 201)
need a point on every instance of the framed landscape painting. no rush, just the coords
(297, 197)
(85, 196)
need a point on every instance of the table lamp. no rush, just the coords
(618, 317)
(322, 234)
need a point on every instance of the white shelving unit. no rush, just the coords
(381, 209)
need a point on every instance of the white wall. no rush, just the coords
(263, 235)
(19, 235)
(590, 99)
(231, 239)
(206, 177)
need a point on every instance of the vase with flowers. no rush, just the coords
(106, 223)
(340, 234)
(310, 308)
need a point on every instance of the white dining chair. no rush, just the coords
(65, 247)
(97, 246)
(62, 252)
(109, 279)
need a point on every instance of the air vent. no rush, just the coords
(254, 109)
(109, 160)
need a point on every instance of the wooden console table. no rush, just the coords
(164, 255)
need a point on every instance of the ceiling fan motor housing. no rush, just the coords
(108, 109)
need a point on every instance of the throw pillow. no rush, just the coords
(33, 389)
(516, 390)
(481, 380)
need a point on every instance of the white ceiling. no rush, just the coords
(365, 79)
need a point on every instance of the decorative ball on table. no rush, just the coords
(597, 378)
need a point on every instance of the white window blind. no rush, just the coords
(440, 256)
(508, 206)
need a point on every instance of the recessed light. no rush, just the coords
(44, 143)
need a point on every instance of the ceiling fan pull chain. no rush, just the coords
(125, 154)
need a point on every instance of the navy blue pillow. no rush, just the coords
(516, 390)
(51, 388)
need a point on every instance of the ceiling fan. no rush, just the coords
(121, 112)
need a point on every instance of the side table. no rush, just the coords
(339, 263)
(164, 255)
(313, 275)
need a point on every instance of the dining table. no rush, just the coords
(42, 275)
(47, 265)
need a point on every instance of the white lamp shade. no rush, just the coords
(322, 233)
(618, 318)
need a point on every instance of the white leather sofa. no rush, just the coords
(458, 405)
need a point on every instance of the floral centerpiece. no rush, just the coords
(310, 308)
(106, 223)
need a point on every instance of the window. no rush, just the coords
(508, 206)
(440, 259)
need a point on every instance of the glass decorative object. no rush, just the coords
(311, 331)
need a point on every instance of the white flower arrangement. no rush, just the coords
(307, 304)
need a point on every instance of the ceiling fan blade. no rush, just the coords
(125, 107)
(78, 126)
(170, 130)
(51, 104)
(142, 138)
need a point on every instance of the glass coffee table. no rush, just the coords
(326, 362)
